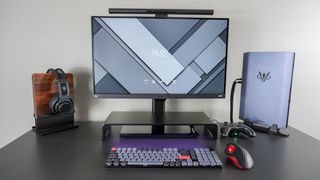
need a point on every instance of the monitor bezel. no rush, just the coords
(160, 96)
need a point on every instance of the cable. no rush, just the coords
(235, 82)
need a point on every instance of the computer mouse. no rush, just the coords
(238, 156)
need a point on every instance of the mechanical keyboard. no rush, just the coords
(120, 157)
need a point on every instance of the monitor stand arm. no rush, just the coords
(158, 110)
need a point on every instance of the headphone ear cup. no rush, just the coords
(53, 103)
(65, 105)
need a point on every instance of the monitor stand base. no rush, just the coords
(159, 120)
(171, 125)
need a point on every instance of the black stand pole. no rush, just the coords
(158, 110)
(235, 82)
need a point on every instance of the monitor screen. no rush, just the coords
(159, 57)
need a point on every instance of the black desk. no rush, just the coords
(78, 154)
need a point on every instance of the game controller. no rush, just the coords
(234, 129)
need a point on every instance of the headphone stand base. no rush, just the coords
(54, 123)
(43, 132)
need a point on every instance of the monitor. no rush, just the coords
(149, 57)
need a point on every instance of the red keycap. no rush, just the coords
(113, 149)
(183, 157)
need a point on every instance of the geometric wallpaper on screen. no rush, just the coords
(159, 56)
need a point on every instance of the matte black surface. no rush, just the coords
(54, 120)
(148, 118)
(161, 11)
(79, 155)
(158, 108)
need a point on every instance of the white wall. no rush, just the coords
(38, 34)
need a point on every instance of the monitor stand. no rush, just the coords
(159, 123)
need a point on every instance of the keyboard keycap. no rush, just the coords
(145, 163)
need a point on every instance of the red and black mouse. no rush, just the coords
(239, 156)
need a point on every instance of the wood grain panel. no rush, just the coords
(44, 88)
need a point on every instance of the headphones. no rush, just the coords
(62, 102)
